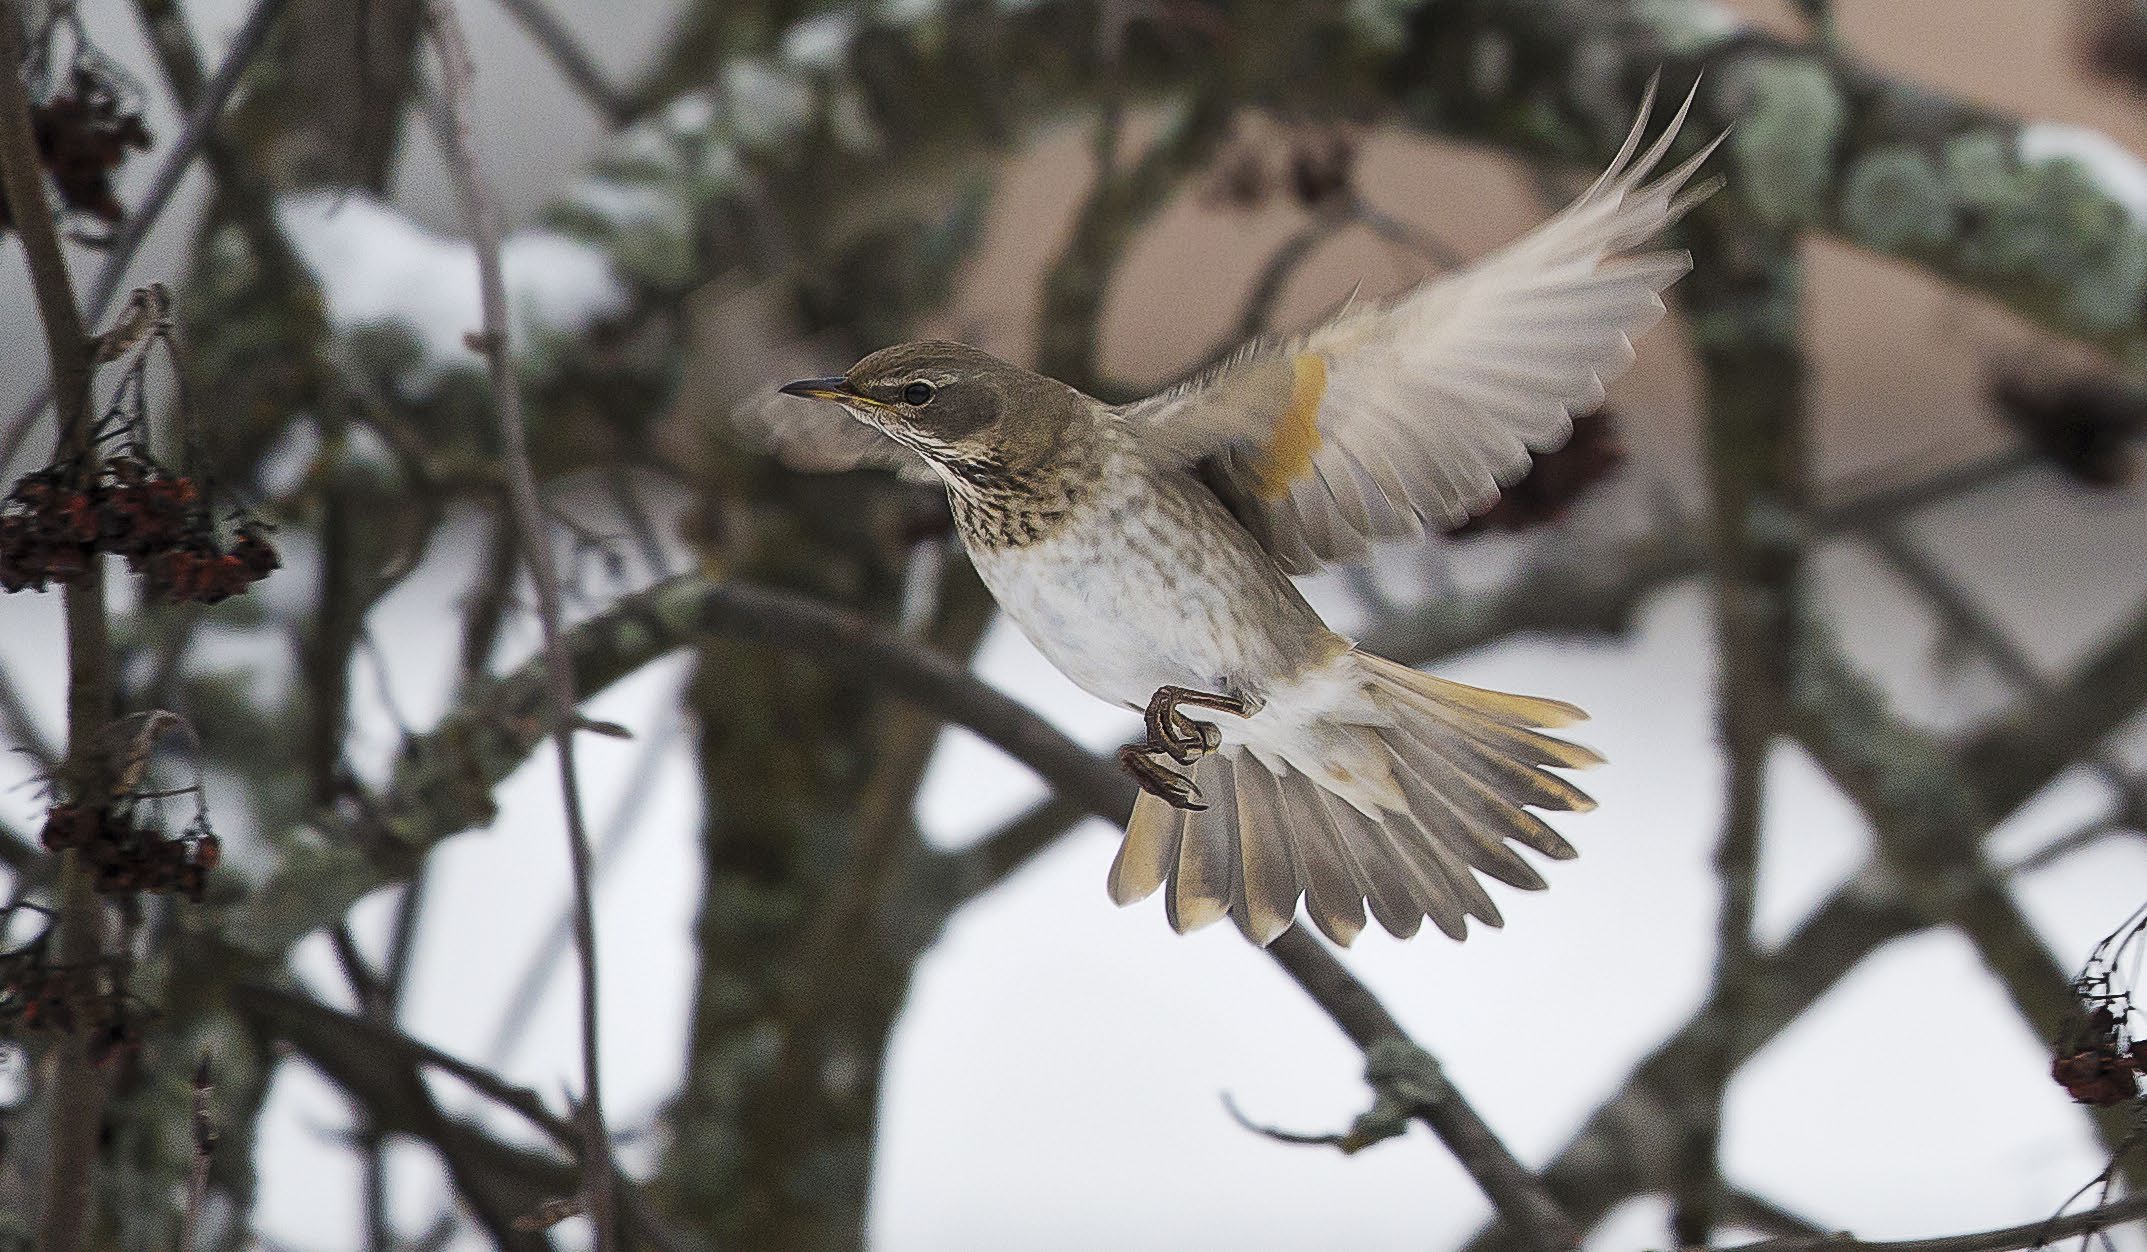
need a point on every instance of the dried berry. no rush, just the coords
(1239, 178)
(2097, 1076)
(2112, 42)
(48, 530)
(1323, 167)
(84, 133)
(125, 857)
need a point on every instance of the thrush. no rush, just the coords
(1146, 550)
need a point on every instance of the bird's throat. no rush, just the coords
(998, 507)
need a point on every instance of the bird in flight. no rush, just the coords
(1146, 550)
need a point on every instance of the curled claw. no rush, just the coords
(1180, 737)
(1158, 779)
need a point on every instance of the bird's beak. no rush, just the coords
(835, 389)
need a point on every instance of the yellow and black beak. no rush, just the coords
(836, 389)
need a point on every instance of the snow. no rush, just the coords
(378, 266)
(821, 42)
(2120, 173)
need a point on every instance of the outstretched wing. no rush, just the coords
(1411, 413)
(814, 437)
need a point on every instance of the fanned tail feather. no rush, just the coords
(1440, 777)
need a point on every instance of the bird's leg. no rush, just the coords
(1158, 779)
(1180, 737)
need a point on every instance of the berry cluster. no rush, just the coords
(83, 134)
(48, 531)
(125, 856)
(50, 527)
(2098, 1066)
(39, 997)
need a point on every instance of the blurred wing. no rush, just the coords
(1393, 417)
(815, 437)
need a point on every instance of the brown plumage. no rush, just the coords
(1145, 549)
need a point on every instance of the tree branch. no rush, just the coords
(1116, 208)
(1518, 1196)
(1928, 820)
(455, 88)
(1745, 296)
(1597, 591)
(119, 257)
(574, 62)
(1824, 141)
(79, 1090)
(2029, 1235)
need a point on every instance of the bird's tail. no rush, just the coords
(1400, 794)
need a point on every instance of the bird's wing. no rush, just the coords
(1393, 417)
(815, 437)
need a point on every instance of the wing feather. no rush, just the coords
(1415, 413)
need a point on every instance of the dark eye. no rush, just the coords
(917, 394)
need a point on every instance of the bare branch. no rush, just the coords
(1413, 1075)
(200, 124)
(1117, 206)
(495, 343)
(1928, 818)
(1008, 850)
(1746, 284)
(80, 1090)
(1597, 592)
(354, 1050)
(2030, 1235)
(574, 62)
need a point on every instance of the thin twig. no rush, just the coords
(1519, 1196)
(22, 727)
(305, 1022)
(203, 1128)
(1960, 614)
(456, 78)
(245, 45)
(1117, 205)
(574, 62)
(620, 829)
(79, 1092)
(2027, 1235)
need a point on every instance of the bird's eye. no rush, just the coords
(917, 394)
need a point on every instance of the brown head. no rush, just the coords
(955, 405)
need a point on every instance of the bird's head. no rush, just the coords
(951, 402)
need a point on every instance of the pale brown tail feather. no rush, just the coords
(1466, 761)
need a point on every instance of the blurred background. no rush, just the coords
(1849, 572)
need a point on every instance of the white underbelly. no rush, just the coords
(1118, 624)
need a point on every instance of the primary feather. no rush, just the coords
(1410, 414)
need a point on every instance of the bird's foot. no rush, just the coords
(1180, 737)
(1158, 779)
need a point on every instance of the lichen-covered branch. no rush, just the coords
(75, 1104)
(1928, 818)
(2017, 211)
(1745, 301)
